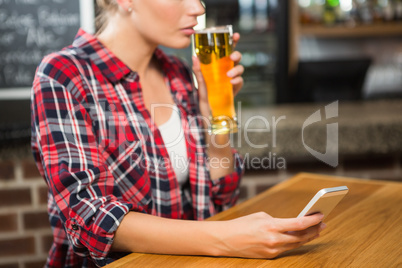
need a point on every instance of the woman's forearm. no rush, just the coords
(219, 149)
(220, 155)
(256, 235)
(145, 233)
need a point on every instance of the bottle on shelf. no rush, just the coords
(365, 11)
(349, 12)
(398, 10)
(261, 15)
(387, 9)
(246, 16)
(331, 12)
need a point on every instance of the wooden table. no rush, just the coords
(364, 230)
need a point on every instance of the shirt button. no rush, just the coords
(75, 227)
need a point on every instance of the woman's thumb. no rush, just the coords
(197, 71)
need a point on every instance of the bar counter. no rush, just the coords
(364, 230)
(364, 127)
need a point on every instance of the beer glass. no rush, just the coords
(213, 47)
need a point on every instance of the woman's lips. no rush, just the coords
(188, 31)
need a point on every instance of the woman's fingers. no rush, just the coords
(298, 224)
(304, 236)
(236, 57)
(236, 38)
(295, 245)
(295, 239)
(236, 74)
(238, 70)
(237, 84)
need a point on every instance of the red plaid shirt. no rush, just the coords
(102, 155)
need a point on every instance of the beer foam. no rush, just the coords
(221, 29)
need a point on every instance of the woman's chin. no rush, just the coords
(179, 43)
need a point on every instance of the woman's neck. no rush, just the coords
(120, 37)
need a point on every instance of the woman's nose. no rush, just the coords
(197, 7)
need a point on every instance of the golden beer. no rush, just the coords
(213, 47)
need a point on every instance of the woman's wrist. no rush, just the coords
(215, 233)
(205, 110)
(176, 237)
(219, 149)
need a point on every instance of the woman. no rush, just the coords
(103, 110)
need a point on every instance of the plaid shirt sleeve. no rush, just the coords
(85, 194)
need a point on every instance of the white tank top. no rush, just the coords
(173, 136)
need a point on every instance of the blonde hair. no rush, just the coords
(103, 9)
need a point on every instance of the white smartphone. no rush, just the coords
(324, 201)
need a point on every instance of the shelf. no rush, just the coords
(372, 30)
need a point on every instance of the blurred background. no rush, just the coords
(300, 56)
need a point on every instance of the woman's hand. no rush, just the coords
(235, 73)
(261, 236)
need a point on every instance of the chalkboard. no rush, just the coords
(30, 29)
